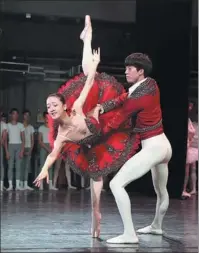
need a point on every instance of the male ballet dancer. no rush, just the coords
(143, 103)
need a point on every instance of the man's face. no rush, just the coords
(26, 116)
(132, 74)
(46, 119)
(14, 116)
(190, 106)
(3, 119)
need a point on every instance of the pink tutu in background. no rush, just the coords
(192, 143)
(192, 155)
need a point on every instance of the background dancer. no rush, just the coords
(192, 157)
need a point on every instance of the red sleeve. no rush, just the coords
(131, 105)
(114, 103)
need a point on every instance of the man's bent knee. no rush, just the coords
(113, 185)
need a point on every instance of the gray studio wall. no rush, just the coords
(37, 90)
(35, 95)
(120, 11)
(195, 13)
(62, 38)
(21, 36)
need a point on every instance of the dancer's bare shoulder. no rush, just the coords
(63, 133)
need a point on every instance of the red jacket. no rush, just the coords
(144, 105)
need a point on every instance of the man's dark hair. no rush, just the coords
(26, 111)
(140, 61)
(14, 110)
(3, 115)
(44, 114)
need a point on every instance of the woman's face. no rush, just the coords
(56, 109)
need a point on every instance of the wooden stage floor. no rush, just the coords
(59, 221)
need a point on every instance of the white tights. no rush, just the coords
(87, 56)
(155, 155)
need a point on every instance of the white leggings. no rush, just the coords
(155, 155)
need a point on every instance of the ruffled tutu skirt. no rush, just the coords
(97, 155)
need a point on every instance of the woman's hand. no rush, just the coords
(101, 109)
(95, 62)
(98, 109)
(96, 56)
(43, 174)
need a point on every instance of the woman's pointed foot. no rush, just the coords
(87, 31)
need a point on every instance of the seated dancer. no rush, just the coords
(142, 102)
(77, 131)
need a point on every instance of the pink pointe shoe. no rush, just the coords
(96, 218)
(87, 28)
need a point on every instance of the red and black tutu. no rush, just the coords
(101, 154)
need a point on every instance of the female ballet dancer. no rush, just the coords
(192, 158)
(194, 152)
(77, 131)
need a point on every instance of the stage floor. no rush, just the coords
(60, 222)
